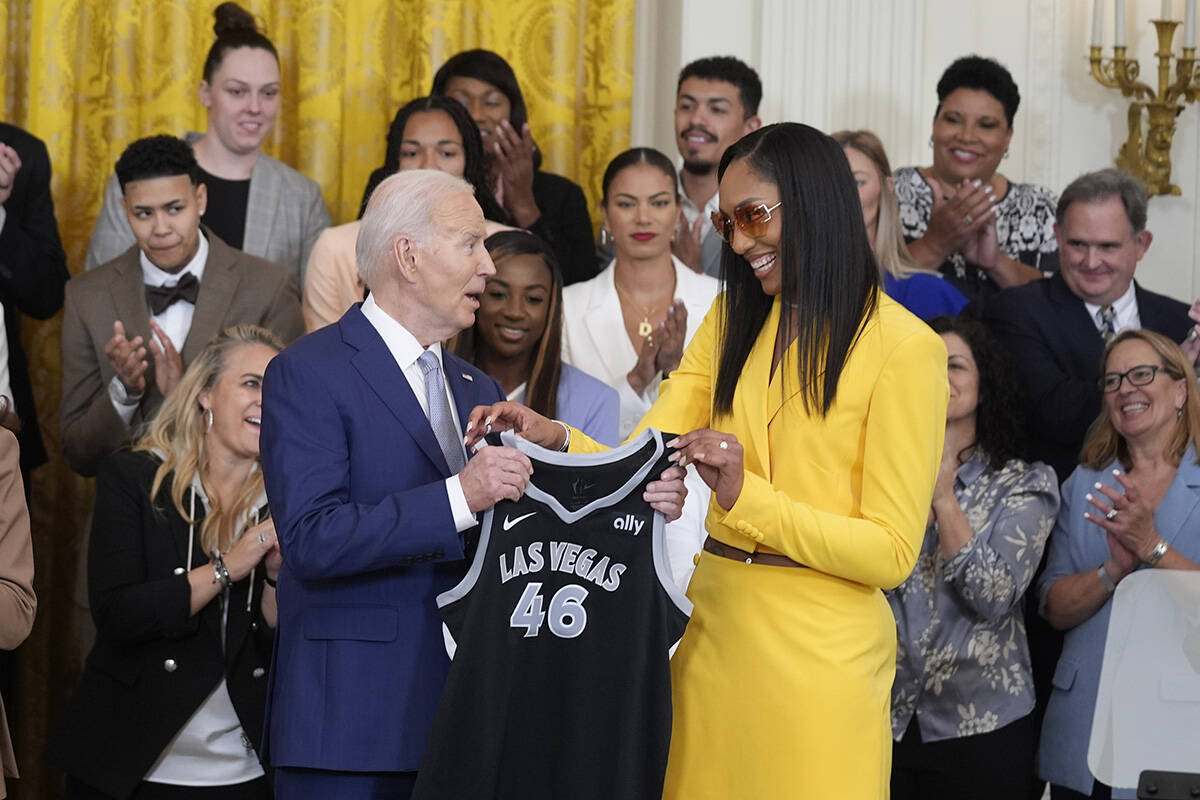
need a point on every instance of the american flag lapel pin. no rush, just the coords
(467, 377)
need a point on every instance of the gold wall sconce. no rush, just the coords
(1148, 155)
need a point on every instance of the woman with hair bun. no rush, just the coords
(255, 203)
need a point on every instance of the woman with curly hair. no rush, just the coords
(963, 695)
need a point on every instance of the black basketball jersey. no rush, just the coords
(560, 685)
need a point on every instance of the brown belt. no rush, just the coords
(767, 559)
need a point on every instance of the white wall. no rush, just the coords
(875, 64)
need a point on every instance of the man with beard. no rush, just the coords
(716, 103)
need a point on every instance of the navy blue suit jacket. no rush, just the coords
(1057, 349)
(356, 483)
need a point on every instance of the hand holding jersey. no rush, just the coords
(494, 474)
(665, 495)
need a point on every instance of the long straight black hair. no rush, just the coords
(830, 277)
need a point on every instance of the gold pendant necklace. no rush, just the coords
(644, 328)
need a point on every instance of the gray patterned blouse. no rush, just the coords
(962, 660)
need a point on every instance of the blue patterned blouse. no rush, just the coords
(962, 660)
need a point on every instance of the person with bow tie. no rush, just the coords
(132, 325)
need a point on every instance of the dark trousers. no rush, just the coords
(292, 783)
(1099, 792)
(251, 790)
(996, 765)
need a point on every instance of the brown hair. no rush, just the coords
(1104, 443)
(234, 28)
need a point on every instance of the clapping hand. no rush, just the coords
(1127, 519)
(669, 339)
(10, 162)
(128, 359)
(514, 161)
(958, 218)
(686, 245)
(1191, 343)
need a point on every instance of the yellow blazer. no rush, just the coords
(847, 494)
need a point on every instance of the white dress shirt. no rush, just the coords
(405, 348)
(1126, 310)
(175, 320)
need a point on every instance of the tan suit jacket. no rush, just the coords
(236, 288)
(17, 601)
(284, 214)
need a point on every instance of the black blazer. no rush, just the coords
(565, 226)
(1058, 350)
(152, 665)
(33, 271)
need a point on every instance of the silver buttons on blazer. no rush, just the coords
(258, 672)
(169, 665)
(179, 570)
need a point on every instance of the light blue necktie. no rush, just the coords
(440, 417)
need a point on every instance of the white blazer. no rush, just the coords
(595, 341)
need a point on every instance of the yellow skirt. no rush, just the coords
(781, 687)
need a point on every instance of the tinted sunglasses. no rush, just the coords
(751, 220)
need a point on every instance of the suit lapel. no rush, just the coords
(217, 289)
(1075, 328)
(462, 388)
(606, 327)
(129, 296)
(261, 203)
(758, 408)
(379, 370)
(1179, 503)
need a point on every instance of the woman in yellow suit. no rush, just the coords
(815, 407)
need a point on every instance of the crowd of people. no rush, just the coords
(924, 422)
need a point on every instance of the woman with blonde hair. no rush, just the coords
(1130, 505)
(920, 290)
(181, 572)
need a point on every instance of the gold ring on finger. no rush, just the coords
(968, 219)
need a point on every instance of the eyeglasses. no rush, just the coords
(751, 220)
(1141, 375)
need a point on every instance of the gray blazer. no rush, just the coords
(284, 215)
(236, 288)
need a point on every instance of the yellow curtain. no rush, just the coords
(89, 76)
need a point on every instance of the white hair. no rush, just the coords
(402, 205)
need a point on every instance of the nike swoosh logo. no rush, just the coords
(509, 523)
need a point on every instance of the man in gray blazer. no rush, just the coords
(132, 325)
